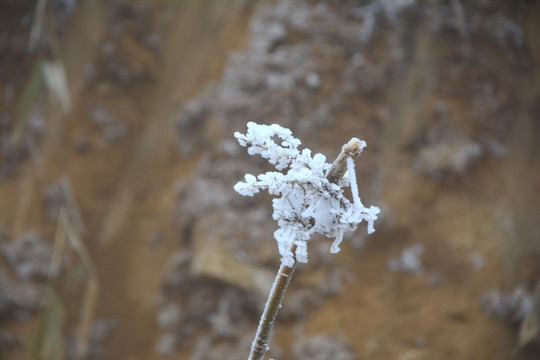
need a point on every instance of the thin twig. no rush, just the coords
(273, 304)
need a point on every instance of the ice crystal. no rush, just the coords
(307, 202)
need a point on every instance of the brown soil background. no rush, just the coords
(127, 189)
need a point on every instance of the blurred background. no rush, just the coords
(122, 238)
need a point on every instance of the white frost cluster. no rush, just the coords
(308, 202)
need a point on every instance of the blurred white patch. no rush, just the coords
(409, 261)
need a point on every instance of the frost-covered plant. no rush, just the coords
(310, 200)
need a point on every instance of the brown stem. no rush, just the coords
(352, 149)
(273, 304)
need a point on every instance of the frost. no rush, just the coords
(307, 201)
(477, 260)
(29, 256)
(449, 157)
(391, 9)
(511, 307)
(313, 80)
(409, 261)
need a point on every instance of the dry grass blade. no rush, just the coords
(88, 306)
(87, 317)
(58, 249)
(32, 90)
(71, 206)
(56, 80)
(47, 344)
(38, 25)
(66, 233)
(43, 41)
(44, 73)
(76, 242)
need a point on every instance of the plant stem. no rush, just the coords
(260, 344)
(273, 304)
(351, 149)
